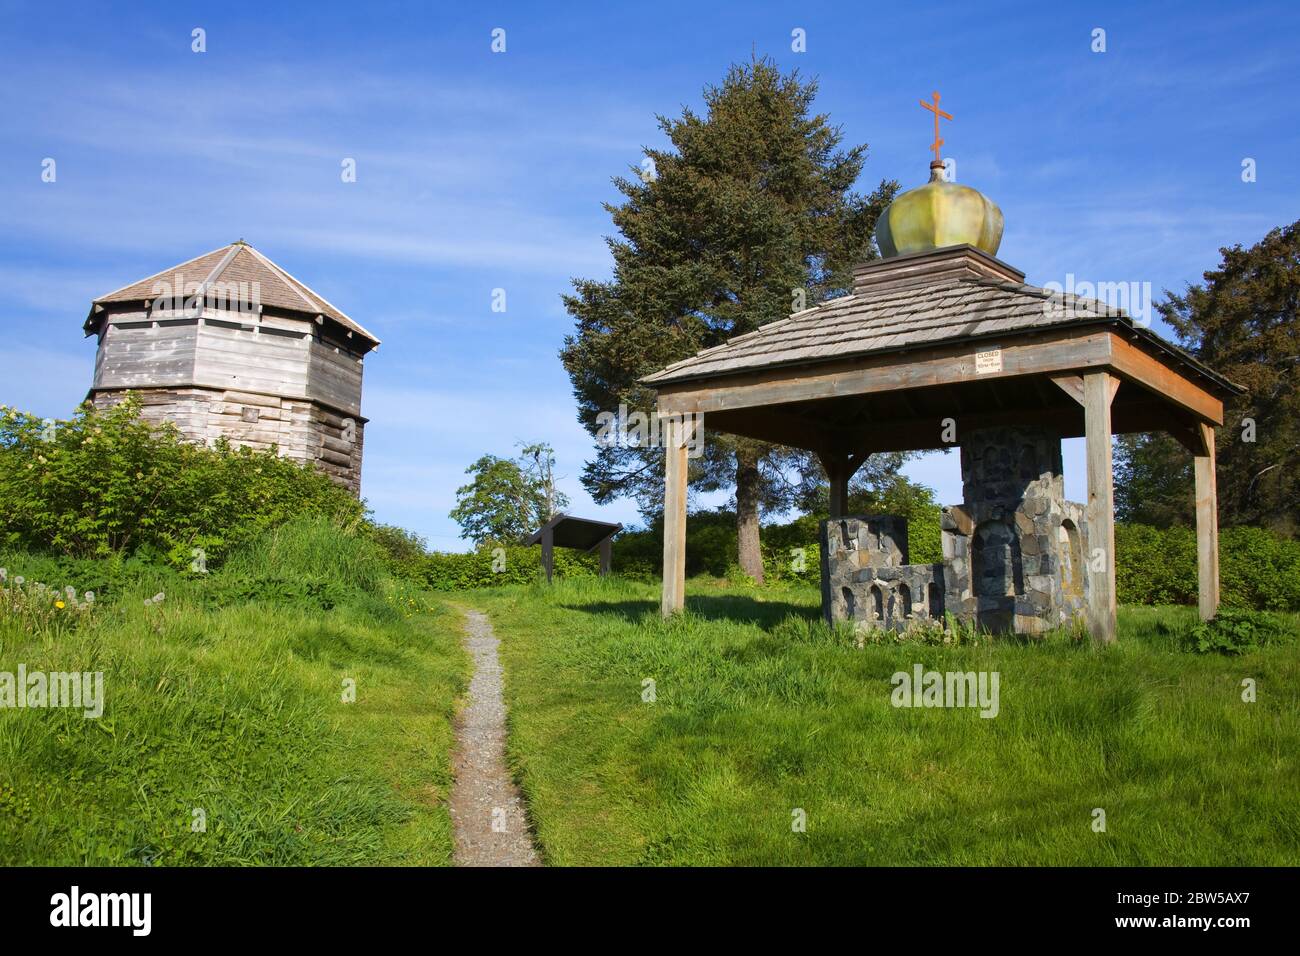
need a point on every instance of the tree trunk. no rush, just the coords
(748, 484)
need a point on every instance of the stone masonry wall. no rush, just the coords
(866, 577)
(1013, 551)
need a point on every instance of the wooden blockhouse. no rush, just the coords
(230, 345)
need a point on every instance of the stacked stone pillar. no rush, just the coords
(1014, 550)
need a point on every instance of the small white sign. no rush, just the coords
(989, 361)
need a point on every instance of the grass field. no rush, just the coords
(760, 711)
(227, 698)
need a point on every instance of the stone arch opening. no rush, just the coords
(877, 602)
(850, 602)
(903, 609)
(1071, 555)
(935, 595)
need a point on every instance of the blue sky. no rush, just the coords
(478, 171)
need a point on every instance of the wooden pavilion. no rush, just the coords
(582, 534)
(939, 337)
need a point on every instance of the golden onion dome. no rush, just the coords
(939, 214)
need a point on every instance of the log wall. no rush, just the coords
(259, 381)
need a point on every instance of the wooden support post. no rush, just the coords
(1098, 391)
(674, 579)
(839, 469)
(548, 552)
(839, 491)
(1207, 526)
(606, 556)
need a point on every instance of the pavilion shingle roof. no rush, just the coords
(571, 532)
(235, 263)
(887, 320)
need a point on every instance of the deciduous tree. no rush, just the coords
(508, 498)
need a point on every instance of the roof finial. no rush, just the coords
(934, 108)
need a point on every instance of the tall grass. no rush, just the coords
(311, 549)
(227, 698)
(760, 712)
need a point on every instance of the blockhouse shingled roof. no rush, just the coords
(236, 263)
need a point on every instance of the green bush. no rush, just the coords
(1258, 569)
(1236, 632)
(491, 567)
(790, 551)
(403, 551)
(108, 482)
(710, 547)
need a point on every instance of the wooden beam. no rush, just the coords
(1064, 354)
(1140, 412)
(774, 425)
(1056, 351)
(675, 463)
(1072, 385)
(1133, 363)
(1207, 527)
(1188, 435)
(1098, 392)
(606, 557)
(927, 433)
(839, 495)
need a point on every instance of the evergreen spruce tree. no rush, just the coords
(749, 215)
(1244, 322)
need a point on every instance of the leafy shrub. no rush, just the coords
(107, 482)
(790, 551)
(1236, 632)
(403, 550)
(710, 547)
(491, 567)
(1155, 566)
(1257, 569)
(314, 593)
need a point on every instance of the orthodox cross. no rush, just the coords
(934, 108)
